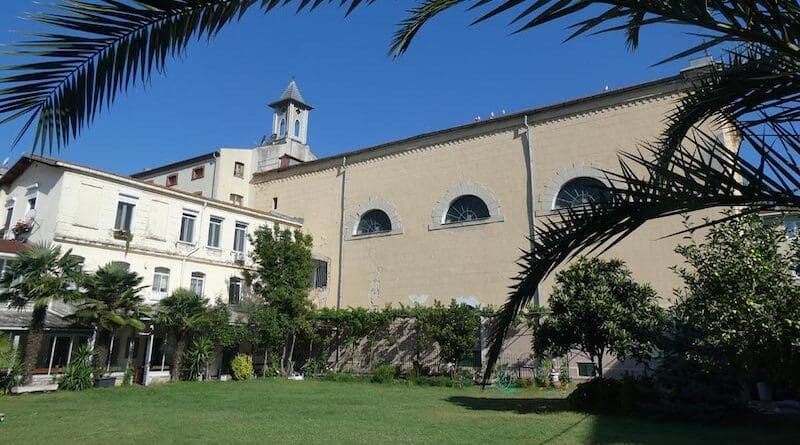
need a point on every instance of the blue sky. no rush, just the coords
(216, 96)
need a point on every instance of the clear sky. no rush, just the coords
(217, 95)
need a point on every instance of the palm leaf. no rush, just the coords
(99, 48)
(701, 174)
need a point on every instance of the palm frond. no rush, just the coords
(702, 174)
(100, 48)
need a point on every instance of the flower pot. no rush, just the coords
(105, 382)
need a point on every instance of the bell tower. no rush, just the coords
(290, 116)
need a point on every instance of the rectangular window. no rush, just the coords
(235, 292)
(275, 203)
(237, 199)
(124, 216)
(187, 227)
(198, 173)
(319, 275)
(239, 237)
(197, 283)
(9, 215)
(32, 203)
(238, 169)
(586, 369)
(214, 230)
(160, 282)
(172, 180)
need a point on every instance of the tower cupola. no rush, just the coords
(290, 115)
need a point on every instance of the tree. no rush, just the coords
(597, 308)
(741, 302)
(38, 276)
(282, 279)
(181, 314)
(454, 328)
(111, 301)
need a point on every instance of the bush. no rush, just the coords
(341, 377)
(242, 367)
(385, 374)
(78, 374)
(10, 365)
(127, 378)
(437, 381)
(198, 357)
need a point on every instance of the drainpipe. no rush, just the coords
(214, 178)
(341, 249)
(341, 233)
(531, 186)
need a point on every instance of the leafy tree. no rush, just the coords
(36, 277)
(596, 308)
(454, 328)
(741, 302)
(282, 279)
(181, 314)
(111, 301)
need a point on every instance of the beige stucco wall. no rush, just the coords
(422, 264)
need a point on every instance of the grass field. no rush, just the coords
(313, 412)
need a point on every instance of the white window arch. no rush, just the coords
(467, 203)
(583, 191)
(282, 128)
(576, 186)
(297, 128)
(373, 221)
(375, 217)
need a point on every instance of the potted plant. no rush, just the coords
(21, 227)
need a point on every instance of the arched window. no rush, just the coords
(581, 192)
(374, 221)
(466, 208)
(297, 128)
(282, 128)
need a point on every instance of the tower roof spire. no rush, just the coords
(291, 94)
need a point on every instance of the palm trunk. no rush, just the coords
(33, 344)
(101, 348)
(177, 362)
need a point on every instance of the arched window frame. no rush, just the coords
(596, 184)
(442, 206)
(297, 128)
(373, 214)
(198, 280)
(373, 203)
(282, 128)
(547, 201)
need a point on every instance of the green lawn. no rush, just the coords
(312, 412)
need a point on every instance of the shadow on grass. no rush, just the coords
(520, 406)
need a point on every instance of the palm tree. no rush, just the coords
(101, 47)
(111, 301)
(35, 278)
(180, 314)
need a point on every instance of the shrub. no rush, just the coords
(341, 377)
(436, 381)
(385, 374)
(78, 374)
(242, 367)
(10, 365)
(198, 357)
(127, 379)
